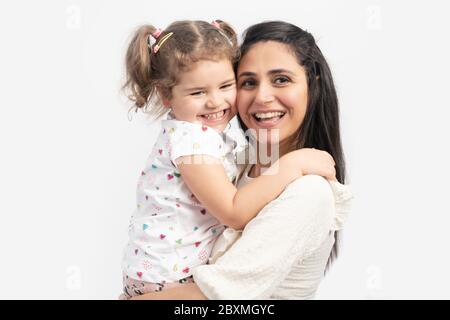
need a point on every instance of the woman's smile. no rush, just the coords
(268, 119)
(272, 91)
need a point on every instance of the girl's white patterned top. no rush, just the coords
(170, 232)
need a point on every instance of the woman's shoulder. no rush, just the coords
(320, 194)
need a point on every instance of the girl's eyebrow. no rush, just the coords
(195, 89)
(270, 72)
(203, 88)
(228, 81)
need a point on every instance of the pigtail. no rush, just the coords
(139, 83)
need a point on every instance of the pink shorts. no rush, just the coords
(132, 287)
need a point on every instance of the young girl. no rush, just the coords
(186, 193)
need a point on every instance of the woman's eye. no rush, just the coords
(247, 83)
(281, 80)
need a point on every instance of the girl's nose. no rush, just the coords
(213, 102)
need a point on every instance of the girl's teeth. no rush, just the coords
(267, 115)
(214, 115)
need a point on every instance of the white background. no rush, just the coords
(70, 158)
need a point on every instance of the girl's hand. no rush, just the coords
(313, 161)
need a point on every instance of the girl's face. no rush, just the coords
(205, 94)
(272, 92)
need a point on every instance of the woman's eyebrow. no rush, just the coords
(270, 72)
(247, 74)
(275, 71)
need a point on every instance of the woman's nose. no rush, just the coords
(264, 94)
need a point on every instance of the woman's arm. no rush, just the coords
(207, 180)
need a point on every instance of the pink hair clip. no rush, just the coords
(161, 42)
(216, 24)
(156, 33)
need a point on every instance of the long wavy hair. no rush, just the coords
(320, 127)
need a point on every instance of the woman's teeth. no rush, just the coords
(213, 116)
(268, 115)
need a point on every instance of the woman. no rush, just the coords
(284, 84)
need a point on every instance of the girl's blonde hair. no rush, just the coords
(151, 76)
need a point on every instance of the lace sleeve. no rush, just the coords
(286, 230)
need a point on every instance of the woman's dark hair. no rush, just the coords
(320, 127)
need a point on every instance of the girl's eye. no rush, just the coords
(229, 85)
(281, 80)
(196, 93)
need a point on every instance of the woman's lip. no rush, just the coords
(266, 124)
(266, 111)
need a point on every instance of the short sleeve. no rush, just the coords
(187, 139)
(237, 136)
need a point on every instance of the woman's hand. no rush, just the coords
(312, 161)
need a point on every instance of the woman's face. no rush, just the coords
(272, 91)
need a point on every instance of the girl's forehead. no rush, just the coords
(207, 71)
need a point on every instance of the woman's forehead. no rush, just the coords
(263, 57)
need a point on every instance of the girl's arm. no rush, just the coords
(207, 180)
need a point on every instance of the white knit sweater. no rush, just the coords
(281, 253)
